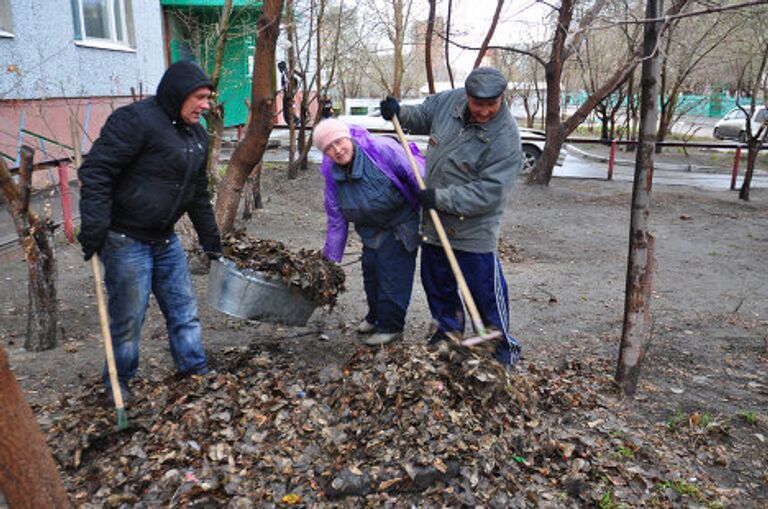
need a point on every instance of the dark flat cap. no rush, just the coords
(485, 83)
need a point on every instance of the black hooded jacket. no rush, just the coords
(147, 168)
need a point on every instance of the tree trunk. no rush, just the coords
(215, 117)
(249, 153)
(28, 475)
(636, 329)
(753, 148)
(293, 169)
(34, 237)
(428, 46)
(448, 43)
(489, 35)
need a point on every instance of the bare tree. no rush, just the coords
(428, 46)
(636, 330)
(688, 44)
(754, 79)
(35, 236)
(489, 34)
(250, 151)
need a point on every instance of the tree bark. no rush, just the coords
(250, 151)
(636, 328)
(34, 237)
(28, 474)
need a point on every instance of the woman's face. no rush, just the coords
(340, 151)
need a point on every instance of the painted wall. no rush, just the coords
(45, 60)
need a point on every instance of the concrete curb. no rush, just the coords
(629, 163)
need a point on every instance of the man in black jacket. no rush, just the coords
(142, 174)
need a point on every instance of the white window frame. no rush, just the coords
(6, 19)
(112, 42)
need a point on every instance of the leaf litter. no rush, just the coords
(307, 270)
(401, 426)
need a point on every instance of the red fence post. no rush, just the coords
(66, 207)
(611, 159)
(735, 167)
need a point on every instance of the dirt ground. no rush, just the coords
(564, 250)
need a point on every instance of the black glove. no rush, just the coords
(389, 108)
(89, 245)
(213, 255)
(427, 198)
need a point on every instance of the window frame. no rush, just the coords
(6, 19)
(111, 42)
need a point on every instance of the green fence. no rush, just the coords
(715, 105)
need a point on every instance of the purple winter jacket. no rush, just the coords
(387, 155)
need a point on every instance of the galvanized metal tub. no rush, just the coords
(255, 296)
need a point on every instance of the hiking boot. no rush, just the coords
(382, 338)
(366, 327)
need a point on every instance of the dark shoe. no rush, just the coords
(437, 337)
(506, 353)
(124, 392)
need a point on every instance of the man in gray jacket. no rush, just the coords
(473, 158)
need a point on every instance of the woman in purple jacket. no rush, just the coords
(369, 182)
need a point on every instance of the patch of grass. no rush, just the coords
(674, 420)
(607, 502)
(706, 420)
(625, 452)
(750, 416)
(689, 490)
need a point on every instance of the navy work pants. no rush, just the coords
(487, 285)
(388, 280)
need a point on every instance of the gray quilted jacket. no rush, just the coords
(471, 167)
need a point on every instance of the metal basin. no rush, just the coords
(255, 296)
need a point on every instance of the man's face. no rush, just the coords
(483, 110)
(195, 104)
(340, 151)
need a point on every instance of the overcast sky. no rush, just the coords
(520, 21)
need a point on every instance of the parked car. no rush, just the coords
(532, 140)
(733, 126)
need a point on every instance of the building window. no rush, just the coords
(6, 25)
(102, 21)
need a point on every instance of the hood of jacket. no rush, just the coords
(180, 80)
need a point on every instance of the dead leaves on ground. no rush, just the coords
(396, 426)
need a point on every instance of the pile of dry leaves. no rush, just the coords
(320, 280)
(395, 427)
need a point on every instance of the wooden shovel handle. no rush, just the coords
(463, 288)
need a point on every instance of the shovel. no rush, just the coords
(477, 322)
(117, 395)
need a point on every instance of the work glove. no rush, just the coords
(389, 108)
(89, 245)
(427, 198)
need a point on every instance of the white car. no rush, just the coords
(532, 140)
(733, 126)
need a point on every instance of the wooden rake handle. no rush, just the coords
(117, 394)
(477, 322)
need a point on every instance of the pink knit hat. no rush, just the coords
(328, 131)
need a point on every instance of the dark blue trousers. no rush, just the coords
(388, 280)
(487, 285)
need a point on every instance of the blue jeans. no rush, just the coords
(388, 280)
(487, 285)
(131, 270)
